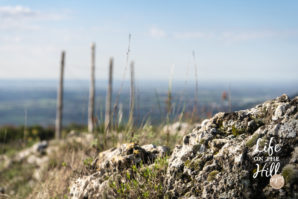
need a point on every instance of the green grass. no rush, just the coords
(16, 180)
(140, 182)
(143, 181)
(11, 148)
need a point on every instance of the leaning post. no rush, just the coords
(108, 114)
(92, 91)
(60, 99)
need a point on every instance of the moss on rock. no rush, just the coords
(290, 173)
(252, 141)
(212, 175)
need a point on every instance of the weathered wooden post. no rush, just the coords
(108, 115)
(60, 99)
(92, 91)
(132, 96)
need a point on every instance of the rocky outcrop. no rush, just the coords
(231, 155)
(225, 156)
(109, 164)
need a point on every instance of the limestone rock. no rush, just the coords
(108, 164)
(5, 162)
(218, 160)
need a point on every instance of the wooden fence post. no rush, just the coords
(108, 115)
(92, 91)
(60, 99)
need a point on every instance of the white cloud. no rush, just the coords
(21, 17)
(157, 33)
(10, 12)
(10, 39)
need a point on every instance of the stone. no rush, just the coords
(217, 159)
(224, 165)
(2, 190)
(41, 147)
(110, 163)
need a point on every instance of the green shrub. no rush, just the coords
(36, 132)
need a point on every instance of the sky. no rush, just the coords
(232, 40)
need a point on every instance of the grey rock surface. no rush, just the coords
(231, 155)
(109, 164)
(220, 159)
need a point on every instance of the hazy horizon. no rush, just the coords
(190, 83)
(38, 99)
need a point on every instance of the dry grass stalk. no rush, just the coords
(169, 103)
(230, 99)
(122, 82)
(25, 123)
(120, 114)
(132, 96)
(196, 102)
(158, 103)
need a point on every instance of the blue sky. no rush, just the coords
(233, 40)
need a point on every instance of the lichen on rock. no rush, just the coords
(109, 164)
(218, 159)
